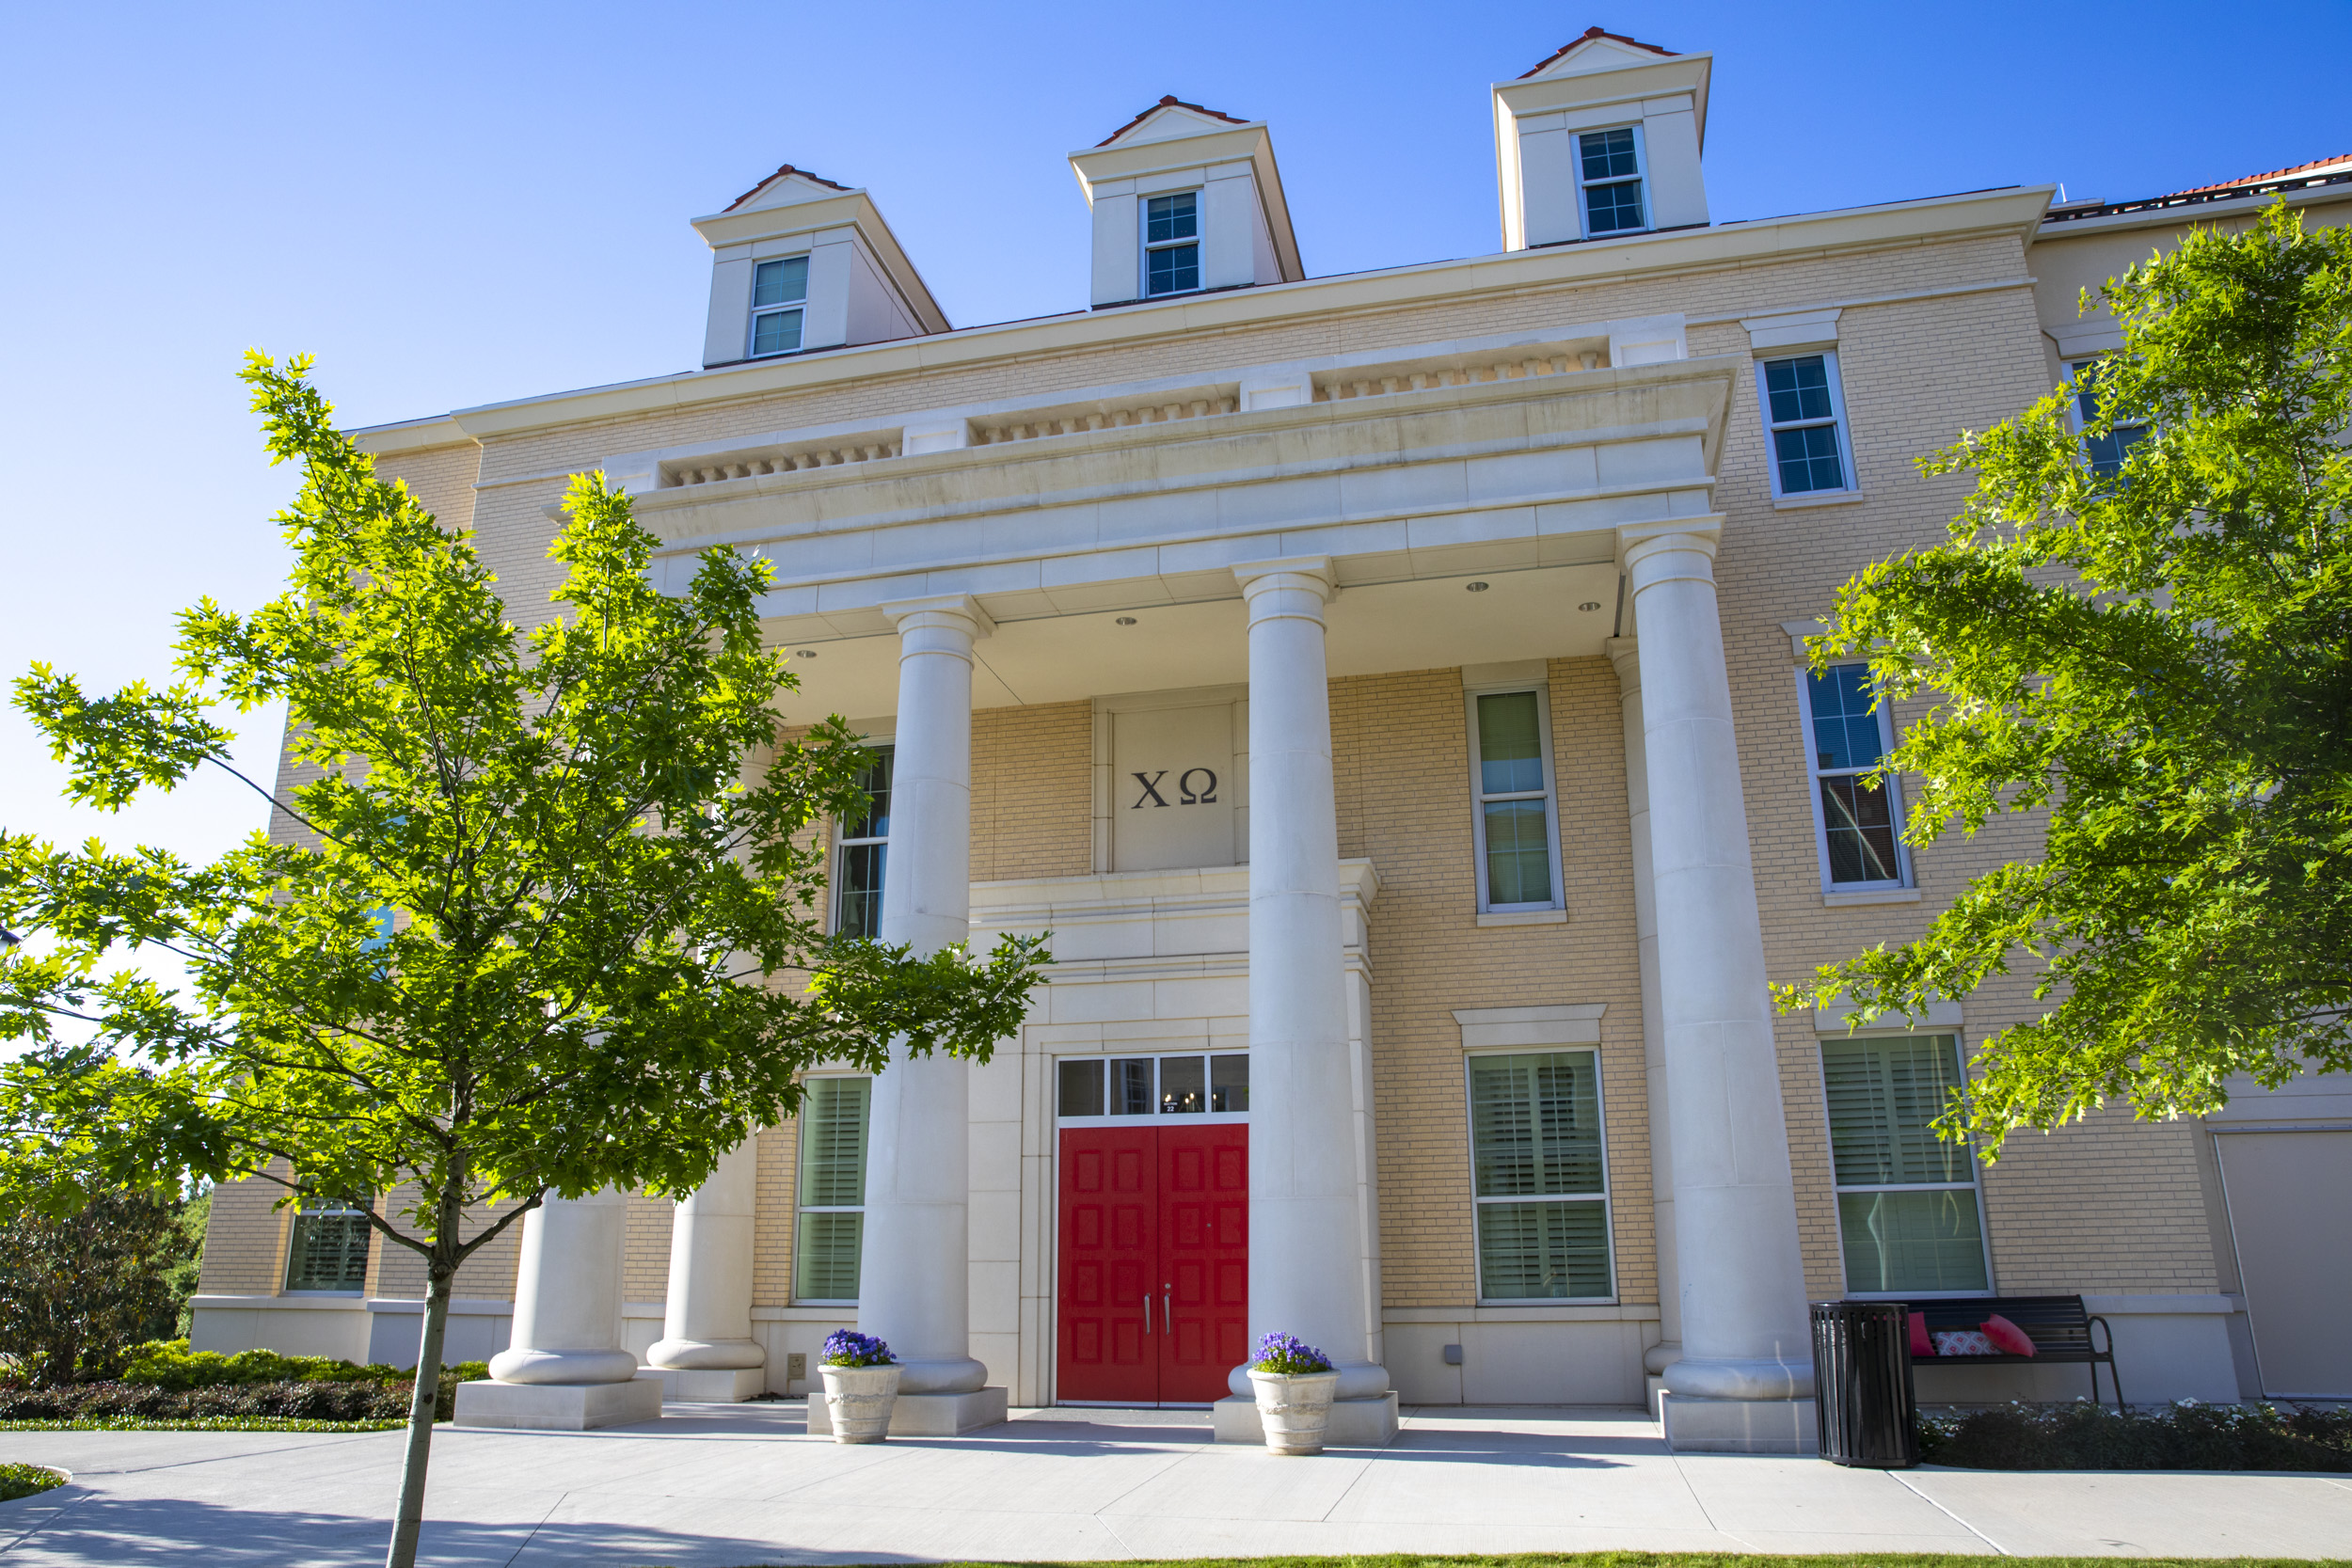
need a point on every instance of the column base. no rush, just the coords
(1355, 1423)
(713, 1384)
(559, 1406)
(1737, 1426)
(925, 1415)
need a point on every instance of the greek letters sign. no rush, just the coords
(1172, 787)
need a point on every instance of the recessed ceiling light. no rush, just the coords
(1477, 587)
(803, 653)
(1589, 604)
(1124, 621)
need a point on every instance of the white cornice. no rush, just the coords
(2188, 214)
(2012, 211)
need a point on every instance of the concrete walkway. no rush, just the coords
(742, 1484)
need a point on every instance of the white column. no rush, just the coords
(706, 1322)
(567, 1295)
(914, 1281)
(1745, 1332)
(1624, 654)
(1306, 1263)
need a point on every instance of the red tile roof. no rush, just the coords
(771, 179)
(1170, 101)
(2314, 165)
(1586, 36)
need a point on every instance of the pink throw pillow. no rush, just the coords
(2007, 1336)
(1919, 1345)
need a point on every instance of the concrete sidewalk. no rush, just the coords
(742, 1484)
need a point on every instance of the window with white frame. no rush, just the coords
(1803, 419)
(328, 1250)
(1909, 1216)
(1859, 823)
(2105, 452)
(1172, 244)
(1516, 823)
(1188, 1084)
(864, 853)
(1609, 178)
(1539, 1182)
(779, 294)
(829, 1240)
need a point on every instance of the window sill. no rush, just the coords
(1872, 896)
(1818, 498)
(1524, 917)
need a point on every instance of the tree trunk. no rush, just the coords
(409, 1522)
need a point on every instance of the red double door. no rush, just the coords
(1154, 1270)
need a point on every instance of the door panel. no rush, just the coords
(1109, 1222)
(1205, 1260)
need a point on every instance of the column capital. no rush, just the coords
(949, 611)
(1638, 541)
(1292, 586)
(1625, 656)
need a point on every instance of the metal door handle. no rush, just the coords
(1167, 1317)
(1147, 1314)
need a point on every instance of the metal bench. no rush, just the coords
(2058, 1325)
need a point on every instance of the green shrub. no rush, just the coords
(2184, 1436)
(169, 1364)
(23, 1480)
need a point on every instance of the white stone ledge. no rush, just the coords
(1524, 917)
(1618, 1312)
(1833, 497)
(1875, 895)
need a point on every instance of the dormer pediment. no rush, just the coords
(1186, 199)
(1596, 50)
(785, 187)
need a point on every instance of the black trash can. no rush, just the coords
(1862, 1392)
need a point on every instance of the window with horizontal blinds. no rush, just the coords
(832, 1189)
(1511, 772)
(328, 1250)
(1539, 1179)
(1909, 1215)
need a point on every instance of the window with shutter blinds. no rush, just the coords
(328, 1250)
(1539, 1179)
(832, 1189)
(1909, 1215)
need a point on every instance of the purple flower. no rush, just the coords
(847, 1347)
(1288, 1355)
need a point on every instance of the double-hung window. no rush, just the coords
(2105, 452)
(865, 850)
(1516, 824)
(827, 1244)
(1804, 416)
(1908, 1213)
(1539, 1183)
(328, 1250)
(1172, 244)
(1609, 175)
(779, 294)
(1860, 823)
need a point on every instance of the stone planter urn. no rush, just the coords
(861, 1386)
(859, 1400)
(1295, 1408)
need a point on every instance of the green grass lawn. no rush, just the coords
(23, 1480)
(199, 1423)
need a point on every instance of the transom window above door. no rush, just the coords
(1190, 1084)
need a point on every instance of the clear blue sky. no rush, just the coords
(455, 204)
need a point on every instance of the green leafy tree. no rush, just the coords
(82, 1283)
(2159, 658)
(553, 929)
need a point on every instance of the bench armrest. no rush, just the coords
(2109, 1350)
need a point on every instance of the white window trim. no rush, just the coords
(1145, 244)
(1815, 773)
(799, 307)
(800, 1208)
(842, 843)
(1975, 1182)
(1837, 422)
(1638, 177)
(314, 1207)
(1479, 797)
(1608, 1203)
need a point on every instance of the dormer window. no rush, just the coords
(779, 294)
(1610, 172)
(1172, 244)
